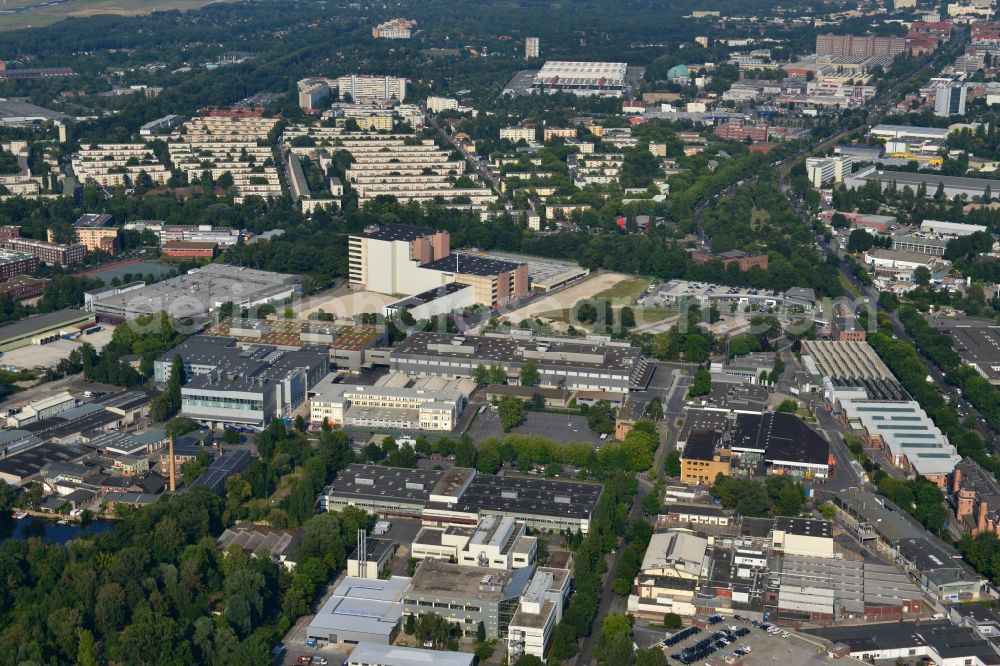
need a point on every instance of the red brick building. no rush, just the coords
(48, 253)
(743, 259)
(21, 287)
(739, 131)
(14, 263)
(190, 249)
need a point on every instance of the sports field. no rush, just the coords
(16, 14)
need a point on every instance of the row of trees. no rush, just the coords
(771, 496)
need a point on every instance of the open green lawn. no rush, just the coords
(627, 290)
(37, 15)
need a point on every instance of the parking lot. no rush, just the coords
(784, 647)
(558, 427)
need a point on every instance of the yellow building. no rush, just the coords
(704, 458)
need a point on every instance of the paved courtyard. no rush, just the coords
(558, 427)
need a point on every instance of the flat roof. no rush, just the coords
(42, 322)
(804, 526)
(362, 605)
(462, 263)
(366, 654)
(541, 497)
(701, 445)
(437, 578)
(428, 296)
(399, 232)
(30, 461)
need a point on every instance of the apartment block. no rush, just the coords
(312, 92)
(859, 45)
(397, 28)
(228, 145)
(95, 232)
(360, 87)
(13, 262)
(48, 253)
(118, 165)
(395, 165)
(531, 48)
(517, 133)
(740, 131)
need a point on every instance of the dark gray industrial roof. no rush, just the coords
(399, 232)
(41, 322)
(471, 264)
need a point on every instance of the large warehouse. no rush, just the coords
(196, 294)
(596, 364)
(42, 328)
(973, 188)
(605, 79)
(460, 496)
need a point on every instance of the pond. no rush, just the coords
(50, 531)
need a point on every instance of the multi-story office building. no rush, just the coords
(866, 46)
(366, 88)
(530, 630)
(403, 408)
(467, 595)
(398, 259)
(596, 364)
(740, 131)
(495, 543)
(531, 48)
(48, 253)
(230, 385)
(949, 99)
(825, 170)
(704, 457)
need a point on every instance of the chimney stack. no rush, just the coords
(171, 465)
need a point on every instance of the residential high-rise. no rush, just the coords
(949, 100)
(531, 48)
(371, 87)
(865, 46)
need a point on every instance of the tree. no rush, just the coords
(528, 660)
(672, 622)
(529, 374)
(702, 384)
(788, 406)
(410, 626)
(480, 375)
(481, 632)
(511, 410)
(860, 241)
(672, 463)
(651, 503)
(7, 497)
(231, 437)
(655, 409)
(922, 275)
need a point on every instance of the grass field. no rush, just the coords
(627, 290)
(35, 14)
(849, 286)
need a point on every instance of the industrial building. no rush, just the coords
(448, 298)
(883, 131)
(934, 641)
(231, 385)
(595, 364)
(394, 405)
(605, 79)
(494, 543)
(462, 497)
(195, 294)
(360, 609)
(949, 99)
(376, 654)
(977, 342)
(44, 328)
(953, 186)
(467, 595)
(398, 259)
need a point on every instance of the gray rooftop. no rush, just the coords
(42, 322)
(366, 653)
